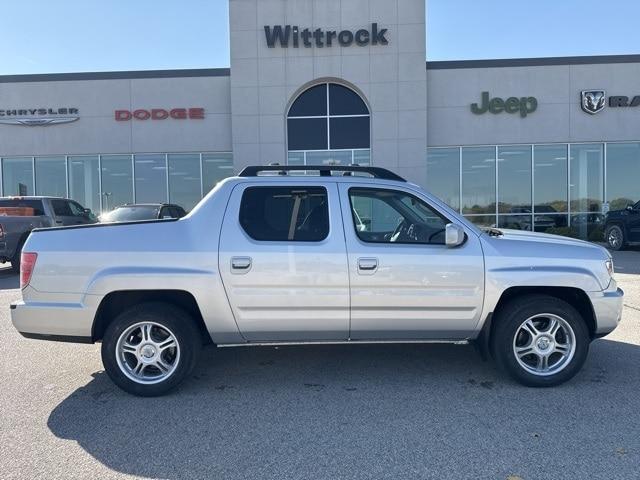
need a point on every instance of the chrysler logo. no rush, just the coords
(34, 117)
(592, 101)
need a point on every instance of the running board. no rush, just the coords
(343, 342)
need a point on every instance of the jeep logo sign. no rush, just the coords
(294, 36)
(524, 105)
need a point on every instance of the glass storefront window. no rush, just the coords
(117, 181)
(482, 220)
(151, 178)
(17, 176)
(184, 180)
(478, 180)
(330, 157)
(443, 175)
(51, 176)
(215, 167)
(586, 190)
(329, 135)
(514, 179)
(362, 157)
(84, 181)
(550, 178)
(585, 182)
(623, 174)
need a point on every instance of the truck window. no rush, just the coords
(20, 207)
(390, 216)
(281, 214)
(61, 208)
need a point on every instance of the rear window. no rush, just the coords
(281, 214)
(21, 208)
(132, 214)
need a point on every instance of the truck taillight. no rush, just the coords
(27, 263)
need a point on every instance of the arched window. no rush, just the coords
(328, 124)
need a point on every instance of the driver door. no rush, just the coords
(405, 284)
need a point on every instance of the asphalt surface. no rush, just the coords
(322, 412)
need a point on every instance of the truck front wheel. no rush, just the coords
(541, 341)
(150, 348)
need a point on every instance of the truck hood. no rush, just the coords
(523, 251)
(522, 235)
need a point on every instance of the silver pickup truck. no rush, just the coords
(333, 255)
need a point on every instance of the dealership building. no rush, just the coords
(527, 143)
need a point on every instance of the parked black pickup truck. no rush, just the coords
(622, 227)
(20, 215)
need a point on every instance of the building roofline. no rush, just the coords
(533, 62)
(126, 75)
(225, 72)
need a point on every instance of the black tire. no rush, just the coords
(177, 322)
(507, 324)
(614, 235)
(15, 260)
(15, 264)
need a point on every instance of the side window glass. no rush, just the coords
(61, 208)
(390, 216)
(165, 212)
(285, 214)
(76, 209)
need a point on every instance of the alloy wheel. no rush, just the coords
(544, 344)
(147, 352)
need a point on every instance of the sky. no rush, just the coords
(46, 36)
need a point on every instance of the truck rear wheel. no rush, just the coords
(539, 340)
(150, 348)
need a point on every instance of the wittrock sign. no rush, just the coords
(522, 105)
(307, 37)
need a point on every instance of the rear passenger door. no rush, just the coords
(283, 261)
(66, 213)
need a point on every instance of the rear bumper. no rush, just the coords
(50, 321)
(607, 307)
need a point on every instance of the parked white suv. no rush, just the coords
(335, 255)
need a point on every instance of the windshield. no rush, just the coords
(132, 213)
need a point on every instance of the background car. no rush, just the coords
(143, 211)
(622, 227)
(20, 215)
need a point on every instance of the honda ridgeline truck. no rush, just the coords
(338, 255)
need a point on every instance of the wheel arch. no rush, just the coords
(575, 297)
(118, 301)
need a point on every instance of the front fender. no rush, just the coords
(500, 279)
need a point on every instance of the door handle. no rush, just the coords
(241, 264)
(368, 264)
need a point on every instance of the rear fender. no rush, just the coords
(205, 286)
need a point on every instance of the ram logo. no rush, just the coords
(592, 101)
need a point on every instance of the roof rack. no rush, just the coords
(325, 170)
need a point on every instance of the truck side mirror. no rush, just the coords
(454, 235)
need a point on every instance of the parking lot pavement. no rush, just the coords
(322, 412)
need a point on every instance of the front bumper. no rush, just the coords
(53, 321)
(607, 307)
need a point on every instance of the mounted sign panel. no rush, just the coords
(35, 117)
(307, 37)
(523, 105)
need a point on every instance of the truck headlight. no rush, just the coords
(609, 265)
